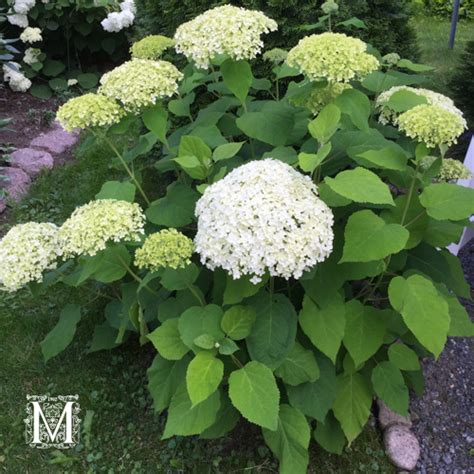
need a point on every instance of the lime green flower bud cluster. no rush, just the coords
(93, 225)
(275, 55)
(140, 83)
(391, 59)
(452, 170)
(165, 249)
(151, 47)
(432, 125)
(330, 6)
(89, 110)
(332, 56)
(26, 251)
(321, 96)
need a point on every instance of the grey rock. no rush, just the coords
(31, 161)
(388, 417)
(17, 182)
(402, 447)
(56, 141)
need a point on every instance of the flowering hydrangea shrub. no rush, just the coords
(296, 249)
(263, 217)
(151, 47)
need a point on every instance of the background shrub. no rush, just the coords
(387, 20)
(444, 8)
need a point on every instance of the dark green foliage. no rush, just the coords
(387, 20)
(462, 85)
(444, 8)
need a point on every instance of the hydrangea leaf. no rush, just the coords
(227, 418)
(356, 105)
(325, 124)
(310, 161)
(184, 419)
(117, 190)
(361, 185)
(167, 340)
(315, 399)
(368, 237)
(389, 385)
(237, 77)
(365, 330)
(424, 310)
(254, 392)
(273, 334)
(164, 377)
(324, 325)
(290, 442)
(390, 158)
(352, 404)
(445, 201)
(180, 278)
(329, 435)
(403, 100)
(237, 321)
(403, 357)
(442, 233)
(299, 366)
(237, 290)
(203, 376)
(226, 151)
(156, 120)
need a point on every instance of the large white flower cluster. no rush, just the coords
(31, 35)
(31, 56)
(26, 251)
(117, 21)
(263, 217)
(387, 115)
(18, 13)
(16, 79)
(229, 30)
(93, 225)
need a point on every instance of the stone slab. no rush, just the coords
(56, 141)
(31, 161)
(17, 183)
(402, 447)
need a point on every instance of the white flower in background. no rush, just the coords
(263, 217)
(26, 251)
(388, 115)
(229, 30)
(72, 82)
(23, 6)
(31, 56)
(117, 21)
(16, 79)
(31, 35)
(18, 19)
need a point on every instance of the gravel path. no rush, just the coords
(444, 416)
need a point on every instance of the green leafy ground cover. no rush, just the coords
(120, 432)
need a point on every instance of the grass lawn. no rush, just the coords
(433, 35)
(121, 433)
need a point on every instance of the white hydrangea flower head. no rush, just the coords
(263, 217)
(332, 56)
(31, 35)
(26, 251)
(140, 83)
(15, 78)
(388, 115)
(117, 21)
(229, 30)
(31, 56)
(93, 225)
(23, 6)
(18, 19)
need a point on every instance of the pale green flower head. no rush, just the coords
(93, 225)
(165, 249)
(233, 31)
(151, 47)
(332, 56)
(321, 96)
(330, 6)
(432, 125)
(452, 170)
(26, 251)
(391, 59)
(275, 55)
(89, 111)
(140, 83)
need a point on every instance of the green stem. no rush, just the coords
(135, 276)
(277, 89)
(124, 164)
(236, 361)
(410, 195)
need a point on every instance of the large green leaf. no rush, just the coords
(254, 392)
(107, 266)
(352, 404)
(424, 310)
(167, 340)
(365, 330)
(237, 290)
(389, 158)
(300, 366)
(122, 191)
(184, 419)
(329, 435)
(203, 376)
(237, 77)
(368, 237)
(356, 105)
(164, 377)
(361, 185)
(194, 146)
(237, 321)
(180, 278)
(315, 399)
(310, 161)
(176, 209)
(324, 325)
(323, 127)
(226, 151)
(403, 357)
(156, 120)
(389, 385)
(445, 201)
(62, 334)
(290, 442)
(403, 100)
(274, 331)
(227, 418)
